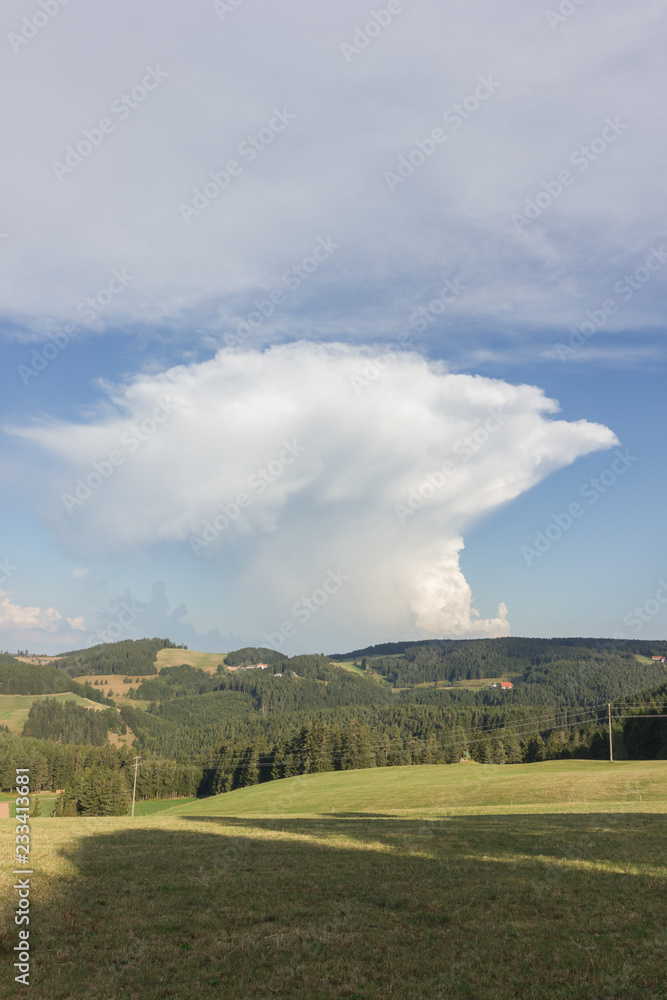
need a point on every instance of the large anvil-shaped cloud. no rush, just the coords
(285, 464)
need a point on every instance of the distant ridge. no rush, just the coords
(640, 646)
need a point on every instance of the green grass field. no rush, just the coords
(352, 668)
(461, 882)
(175, 657)
(151, 807)
(436, 789)
(14, 708)
(47, 801)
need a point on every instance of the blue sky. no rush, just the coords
(298, 289)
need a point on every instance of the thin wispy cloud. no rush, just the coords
(302, 146)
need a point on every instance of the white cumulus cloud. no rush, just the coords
(16, 618)
(78, 623)
(276, 468)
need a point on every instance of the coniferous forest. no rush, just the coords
(203, 733)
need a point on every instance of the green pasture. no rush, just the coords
(14, 708)
(461, 882)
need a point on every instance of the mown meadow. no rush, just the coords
(439, 882)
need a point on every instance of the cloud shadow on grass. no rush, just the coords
(329, 907)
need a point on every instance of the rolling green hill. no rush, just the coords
(550, 786)
(397, 894)
(15, 708)
(201, 724)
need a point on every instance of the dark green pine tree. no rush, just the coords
(114, 799)
(430, 753)
(513, 751)
(278, 764)
(290, 766)
(318, 746)
(536, 749)
(250, 767)
(356, 751)
(224, 773)
(67, 803)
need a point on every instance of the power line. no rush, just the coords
(558, 717)
(491, 733)
(633, 716)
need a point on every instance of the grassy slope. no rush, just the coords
(14, 708)
(151, 807)
(482, 682)
(175, 657)
(441, 788)
(115, 688)
(322, 907)
(47, 801)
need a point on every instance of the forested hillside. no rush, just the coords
(132, 656)
(67, 722)
(406, 664)
(252, 654)
(30, 678)
(398, 704)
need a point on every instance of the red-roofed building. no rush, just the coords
(661, 658)
(506, 685)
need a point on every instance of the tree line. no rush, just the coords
(129, 656)
(67, 722)
(204, 732)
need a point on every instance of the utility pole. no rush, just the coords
(611, 747)
(134, 790)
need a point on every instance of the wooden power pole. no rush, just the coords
(611, 746)
(134, 790)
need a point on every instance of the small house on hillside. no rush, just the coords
(506, 685)
(661, 658)
(252, 666)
